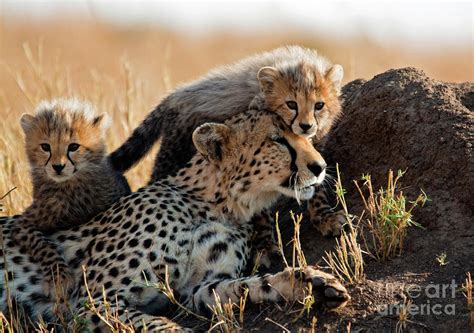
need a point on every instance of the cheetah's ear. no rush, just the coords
(210, 140)
(102, 121)
(335, 75)
(266, 77)
(27, 122)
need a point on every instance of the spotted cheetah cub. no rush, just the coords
(72, 180)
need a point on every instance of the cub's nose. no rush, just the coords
(317, 168)
(58, 168)
(305, 127)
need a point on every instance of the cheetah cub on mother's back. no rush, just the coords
(72, 180)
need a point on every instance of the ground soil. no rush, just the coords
(401, 119)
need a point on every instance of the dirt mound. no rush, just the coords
(402, 119)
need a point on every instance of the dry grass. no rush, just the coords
(346, 260)
(228, 317)
(403, 315)
(298, 261)
(388, 216)
(104, 310)
(125, 71)
(2, 206)
(165, 288)
(467, 292)
(5, 325)
(35, 83)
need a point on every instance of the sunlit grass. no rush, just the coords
(403, 315)
(298, 262)
(388, 216)
(123, 98)
(467, 292)
(441, 259)
(346, 260)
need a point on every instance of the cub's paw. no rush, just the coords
(327, 290)
(330, 224)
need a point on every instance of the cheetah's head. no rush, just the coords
(304, 93)
(259, 158)
(63, 138)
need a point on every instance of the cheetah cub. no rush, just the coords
(72, 180)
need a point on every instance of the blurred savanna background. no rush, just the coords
(125, 56)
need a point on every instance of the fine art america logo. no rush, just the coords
(430, 304)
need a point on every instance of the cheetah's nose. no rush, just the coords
(58, 168)
(305, 127)
(317, 168)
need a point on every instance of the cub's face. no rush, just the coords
(261, 156)
(306, 99)
(60, 143)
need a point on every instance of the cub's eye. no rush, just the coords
(73, 147)
(292, 105)
(318, 106)
(46, 147)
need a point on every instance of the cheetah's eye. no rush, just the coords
(46, 147)
(318, 106)
(292, 105)
(73, 147)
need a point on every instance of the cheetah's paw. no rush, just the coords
(327, 290)
(331, 224)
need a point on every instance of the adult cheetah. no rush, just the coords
(193, 225)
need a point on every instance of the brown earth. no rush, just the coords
(402, 119)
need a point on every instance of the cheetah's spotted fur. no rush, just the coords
(193, 224)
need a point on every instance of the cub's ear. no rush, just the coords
(266, 77)
(211, 139)
(335, 75)
(27, 122)
(102, 121)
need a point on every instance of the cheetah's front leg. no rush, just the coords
(58, 279)
(327, 221)
(288, 285)
(264, 245)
